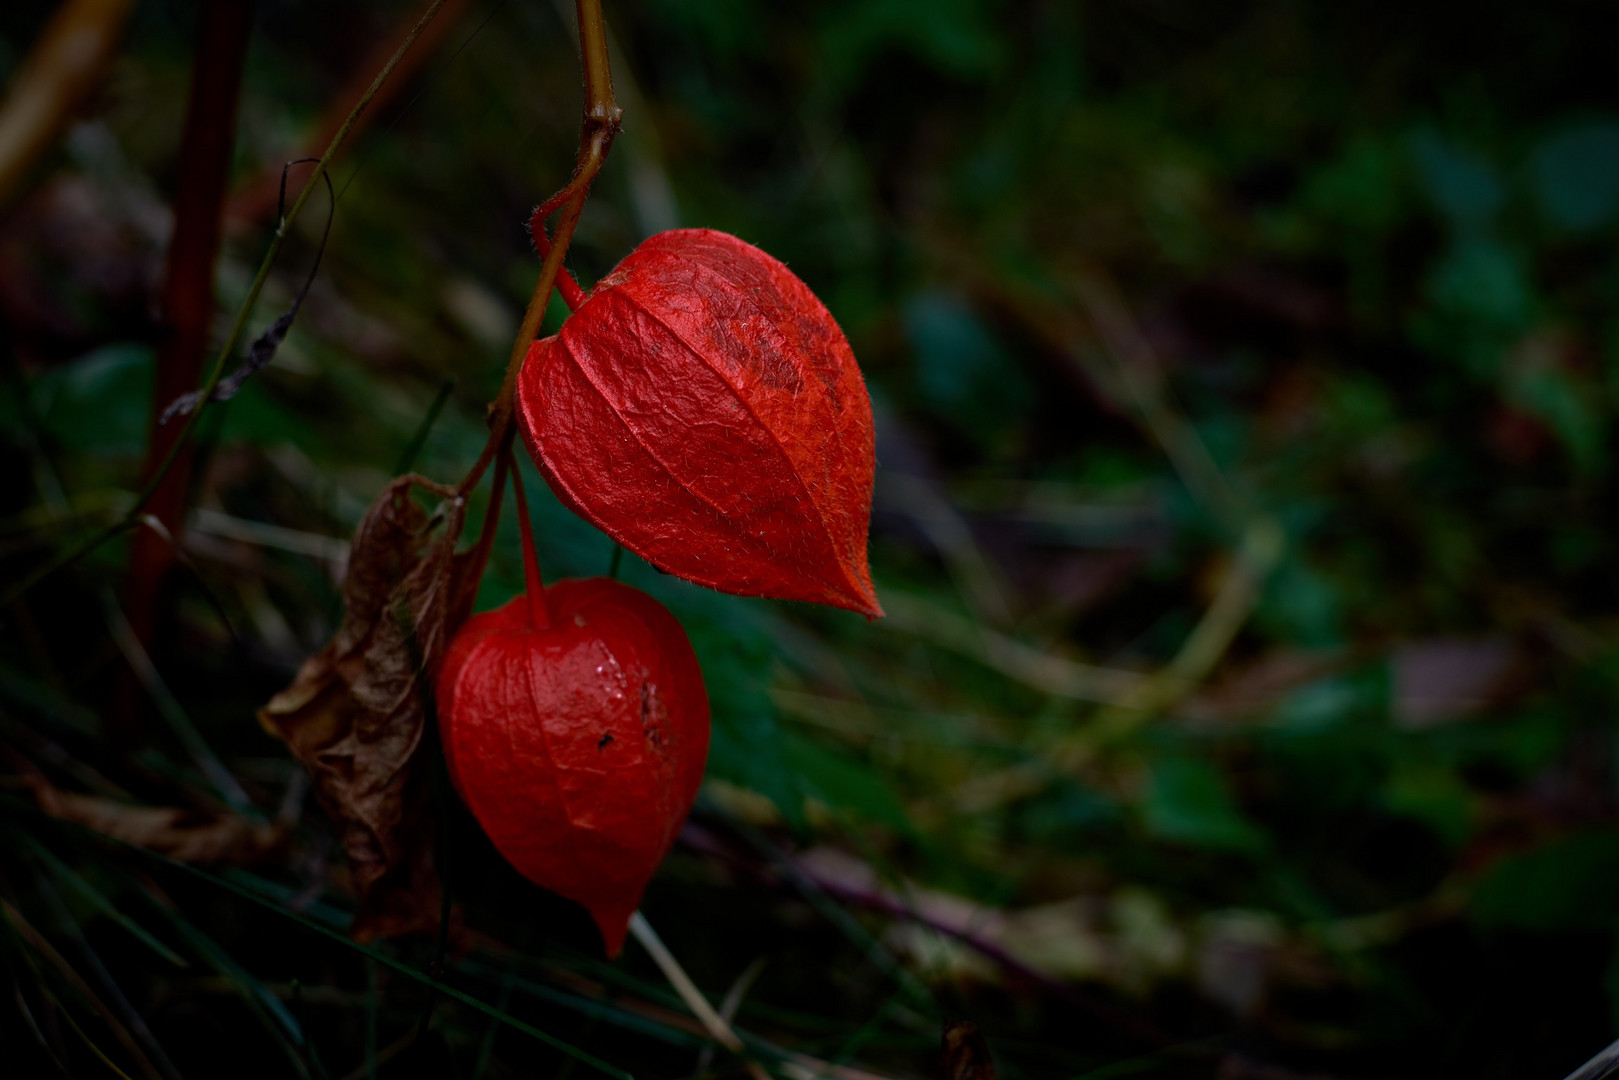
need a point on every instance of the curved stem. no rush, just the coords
(572, 294)
(539, 612)
(603, 118)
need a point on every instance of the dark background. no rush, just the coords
(1274, 341)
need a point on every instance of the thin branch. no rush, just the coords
(38, 942)
(1260, 550)
(255, 198)
(712, 1021)
(602, 120)
(1604, 1065)
(202, 755)
(238, 327)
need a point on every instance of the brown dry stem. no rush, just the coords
(602, 120)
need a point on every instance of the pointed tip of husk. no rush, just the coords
(614, 925)
(860, 595)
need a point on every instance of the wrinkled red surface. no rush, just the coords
(703, 409)
(579, 747)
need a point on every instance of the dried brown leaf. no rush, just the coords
(180, 833)
(356, 712)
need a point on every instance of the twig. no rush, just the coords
(602, 120)
(238, 326)
(1140, 375)
(712, 1021)
(1258, 554)
(922, 501)
(47, 951)
(1604, 1065)
(223, 29)
(332, 549)
(256, 197)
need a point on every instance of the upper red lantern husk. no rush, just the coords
(703, 409)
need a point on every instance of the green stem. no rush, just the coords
(238, 328)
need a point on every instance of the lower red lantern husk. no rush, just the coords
(576, 730)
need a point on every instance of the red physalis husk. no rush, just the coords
(702, 408)
(576, 731)
(575, 726)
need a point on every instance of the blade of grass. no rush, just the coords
(35, 1029)
(84, 1036)
(1604, 1065)
(794, 1065)
(486, 1045)
(99, 901)
(729, 1004)
(407, 457)
(49, 1042)
(306, 1045)
(264, 1004)
(115, 995)
(202, 755)
(596, 1010)
(382, 958)
(46, 951)
(693, 997)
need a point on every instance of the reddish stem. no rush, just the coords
(223, 29)
(572, 294)
(539, 612)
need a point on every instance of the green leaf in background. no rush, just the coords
(1569, 884)
(1575, 173)
(1363, 188)
(1301, 603)
(100, 402)
(1480, 303)
(1483, 281)
(1186, 802)
(726, 27)
(1463, 185)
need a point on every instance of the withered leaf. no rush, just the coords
(185, 834)
(356, 712)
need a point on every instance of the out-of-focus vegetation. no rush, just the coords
(1245, 377)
